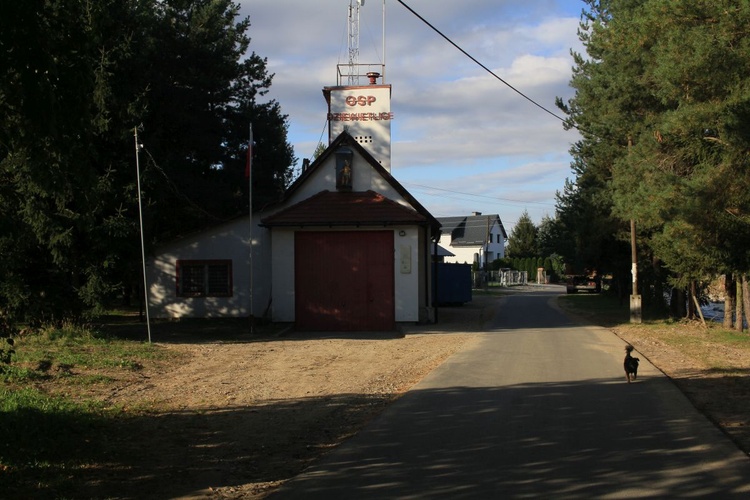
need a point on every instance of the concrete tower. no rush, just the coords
(364, 111)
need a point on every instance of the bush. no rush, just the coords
(66, 332)
(7, 332)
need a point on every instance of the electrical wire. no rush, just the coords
(532, 101)
(478, 195)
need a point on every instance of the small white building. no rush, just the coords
(473, 238)
(348, 248)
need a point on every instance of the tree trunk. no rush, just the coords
(730, 292)
(738, 305)
(746, 300)
(658, 287)
(677, 304)
(698, 309)
(692, 313)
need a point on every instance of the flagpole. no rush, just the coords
(250, 211)
(140, 220)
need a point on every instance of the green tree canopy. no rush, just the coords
(76, 78)
(522, 241)
(662, 105)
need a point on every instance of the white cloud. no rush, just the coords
(455, 126)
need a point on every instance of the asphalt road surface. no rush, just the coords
(539, 408)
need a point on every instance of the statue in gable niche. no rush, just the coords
(344, 172)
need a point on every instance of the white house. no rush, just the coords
(347, 248)
(473, 238)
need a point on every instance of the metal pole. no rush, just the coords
(140, 220)
(383, 80)
(634, 257)
(250, 231)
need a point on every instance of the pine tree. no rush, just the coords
(522, 239)
(75, 80)
(659, 102)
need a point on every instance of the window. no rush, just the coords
(204, 278)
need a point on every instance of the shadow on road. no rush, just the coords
(530, 441)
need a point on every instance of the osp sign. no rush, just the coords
(357, 101)
(362, 100)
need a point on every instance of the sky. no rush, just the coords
(462, 141)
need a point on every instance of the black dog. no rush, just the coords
(630, 364)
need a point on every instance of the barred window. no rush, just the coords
(204, 278)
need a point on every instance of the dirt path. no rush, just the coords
(234, 420)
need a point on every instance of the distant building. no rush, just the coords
(473, 238)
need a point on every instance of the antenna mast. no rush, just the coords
(354, 7)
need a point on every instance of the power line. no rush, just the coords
(532, 101)
(478, 195)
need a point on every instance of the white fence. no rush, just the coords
(481, 279)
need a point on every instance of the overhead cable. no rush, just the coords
(532, 101)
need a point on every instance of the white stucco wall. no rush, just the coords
(227, 241)
(282, 270)
(406, 284)
(465, 254)
(364, 178)
(461, 255)
(363, 101)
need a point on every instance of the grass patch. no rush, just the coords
(59, 352)
(47, 442)
(711, 347)
(52, 429)
(600, 308)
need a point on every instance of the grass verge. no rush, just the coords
(52, 431)
(709, 347)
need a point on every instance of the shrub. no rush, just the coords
(7, 332)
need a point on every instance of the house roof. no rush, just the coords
(345, 139)
(442, 252)
(336, 208)
(470, 230)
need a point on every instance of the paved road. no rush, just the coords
(538, 408)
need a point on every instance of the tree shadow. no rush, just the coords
(190, 330)
(173, 454)
(723, 396)
(468, 317)
(590, 439)
(586, 439)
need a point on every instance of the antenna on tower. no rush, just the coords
(354, 40)
(352, 70)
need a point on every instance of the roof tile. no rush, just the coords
(345, 209)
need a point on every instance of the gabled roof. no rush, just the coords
(386, 207)
(336, 208)
(470, 230)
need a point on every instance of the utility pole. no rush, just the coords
(636, 315)
(635, 299)
(487, 245)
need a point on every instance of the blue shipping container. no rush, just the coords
(451, 283)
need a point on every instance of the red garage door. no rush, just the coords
(344, 281)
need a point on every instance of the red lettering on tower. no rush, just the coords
(363, 100)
